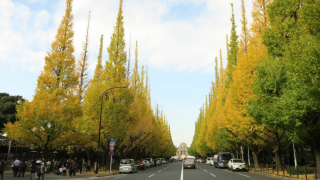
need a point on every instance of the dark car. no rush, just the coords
(189, 163)
(143, 165)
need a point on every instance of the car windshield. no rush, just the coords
(225, 156)
(237, 161)
(189, 161)
(125, 161)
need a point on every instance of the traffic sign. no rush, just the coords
(111, 153)
(112, 143)
(112, 139)
(32, 148)
(111, 148)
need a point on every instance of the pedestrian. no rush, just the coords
(38, 168)
(88, 165)
(23, 167)
(69, 167)
(2, 165)
(74, 166)
(42, 171)
(274, 163)
(16, 165)
(33, 169)
(83, 166)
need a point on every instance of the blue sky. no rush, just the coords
(178, 40)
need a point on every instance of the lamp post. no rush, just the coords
(100, 124)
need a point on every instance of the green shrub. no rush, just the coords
(300, 170)
(7, 167)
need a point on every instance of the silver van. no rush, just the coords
(127, 166)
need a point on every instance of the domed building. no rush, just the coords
(182, 150)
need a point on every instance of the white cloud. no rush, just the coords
(41, 19)
(185, 44)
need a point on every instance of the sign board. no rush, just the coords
(32, 148)
(111, 148)
(112, 144)
(112, 139)
(111, 153)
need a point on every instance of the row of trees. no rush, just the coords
(65, 110)
(268, 96)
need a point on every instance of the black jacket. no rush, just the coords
(2, 165)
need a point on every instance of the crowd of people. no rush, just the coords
(71, 167)
(38, 167)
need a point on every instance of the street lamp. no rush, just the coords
(100, 123)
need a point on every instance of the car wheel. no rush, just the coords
(120, 172)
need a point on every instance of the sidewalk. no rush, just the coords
(9, 176)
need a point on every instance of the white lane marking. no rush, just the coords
(151, 175)
(165, 168)
(160, 171)
(243, 175)
(213, 175)
(181, 178)
(205, 170)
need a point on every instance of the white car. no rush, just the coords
(236, 164)
(163, 161)
(208, 161)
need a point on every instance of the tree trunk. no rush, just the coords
(278, 160)
(255, 159)
(278, 153)
(317, 155)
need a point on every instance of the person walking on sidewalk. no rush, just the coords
(42, 171)
(23, 167)
(83, 167)
(16, 165)
(88, 166)
(74, 166)
(69, 167)
(2, 165)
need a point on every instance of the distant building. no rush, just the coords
(182, 150)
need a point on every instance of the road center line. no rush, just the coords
(181, 178)
(213, 175)
(151, 175)
(243, 175)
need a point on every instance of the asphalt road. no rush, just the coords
(174, 171)
(171, 171)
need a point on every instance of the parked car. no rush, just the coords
(158, 162)
(163, 161)
(144, 165)
(213, 161)
(223, 159)
(151, 162)
(208, 160)
(189, 163)
(236, 164)
(127, 166)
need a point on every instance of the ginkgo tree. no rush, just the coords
(49, 119)
(65, 111)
